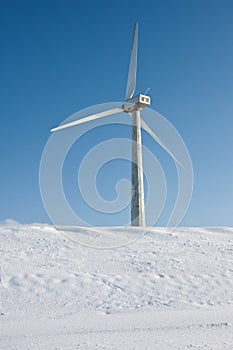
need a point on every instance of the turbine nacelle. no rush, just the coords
(136, 103)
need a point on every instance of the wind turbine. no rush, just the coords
(132, 105)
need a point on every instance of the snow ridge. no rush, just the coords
(45, 276)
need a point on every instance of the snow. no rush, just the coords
(166, 290)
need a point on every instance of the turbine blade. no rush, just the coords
(89, 118)
(131, 83)
(157, 139)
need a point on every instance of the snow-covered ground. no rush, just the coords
(167, 290)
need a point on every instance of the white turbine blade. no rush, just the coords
(131, 83)
(157, 139)
(89, 118)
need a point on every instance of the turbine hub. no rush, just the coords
(136, 103)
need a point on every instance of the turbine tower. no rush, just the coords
(132, 105)
(137, 189)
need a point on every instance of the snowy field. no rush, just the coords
(167, 290)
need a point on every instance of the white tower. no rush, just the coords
(137, 191)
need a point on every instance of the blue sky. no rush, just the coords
(58, 57)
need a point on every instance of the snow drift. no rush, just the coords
(78, 297)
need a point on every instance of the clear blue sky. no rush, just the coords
(58, 57)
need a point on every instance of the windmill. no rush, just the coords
(132, 105)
